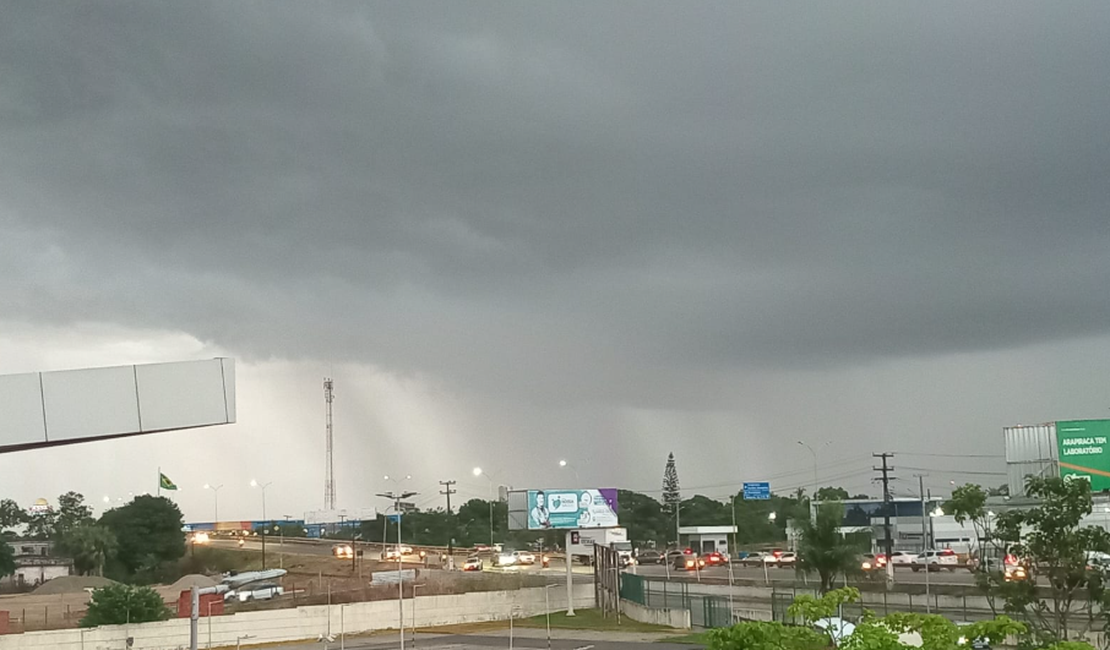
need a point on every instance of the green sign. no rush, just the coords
(1084, 448)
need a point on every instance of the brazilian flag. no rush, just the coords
(165, 483)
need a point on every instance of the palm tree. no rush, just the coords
(823, 549)
(90, 546)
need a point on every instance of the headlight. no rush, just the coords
(866, 566)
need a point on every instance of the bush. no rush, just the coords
(120, 604)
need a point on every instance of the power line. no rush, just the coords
(921, 453)
(954, 471)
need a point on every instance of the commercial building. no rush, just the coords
(705, 539)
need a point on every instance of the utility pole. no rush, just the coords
(448, 491)
(396, 498)
(889, 541)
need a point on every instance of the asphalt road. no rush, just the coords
(905, 576)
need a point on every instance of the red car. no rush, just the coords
(715, 559)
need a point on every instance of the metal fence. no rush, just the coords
(956, 608)
(706, 611)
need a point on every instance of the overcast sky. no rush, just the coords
(520, 232)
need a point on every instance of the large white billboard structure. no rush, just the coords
(44, 409)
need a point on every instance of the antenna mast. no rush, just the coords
(329, 471)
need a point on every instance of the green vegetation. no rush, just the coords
(871, 633)
(120, 604)
(7, 559)
(1051, 540)
(90, 545)
(148, 532)
(824, 550)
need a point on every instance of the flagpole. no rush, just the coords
(159, 481)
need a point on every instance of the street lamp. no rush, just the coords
(396, 498)
(478, 472)
(265, 525)
(215, 502)
(564, 463)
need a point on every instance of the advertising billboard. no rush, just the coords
(1084, 450)
(562, 509)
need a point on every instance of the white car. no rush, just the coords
(524, 557)
(901, 557)
(787, 559)
(936, 560)
(264, 591)
(505, 559)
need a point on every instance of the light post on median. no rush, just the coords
(577, 478)
(265, 524)
(478, 472)
(396, 498)
(215, 503)
(766, 578)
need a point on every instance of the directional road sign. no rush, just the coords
(757, 491)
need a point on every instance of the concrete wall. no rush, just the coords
(677, 618)
(302, 623)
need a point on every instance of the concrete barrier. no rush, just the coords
(306, 623)
(676, 618)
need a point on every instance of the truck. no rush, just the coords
(582, 543)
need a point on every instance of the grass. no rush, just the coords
(586, 619)
(591, 619)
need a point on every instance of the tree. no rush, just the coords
(72, 512)
(832, 494)
(122, 604)
(11, 515)
(90, 545)
(7, 559)
(823, 549)
(41, 524)
(148, 532)
(1051, 538)
(672, 497)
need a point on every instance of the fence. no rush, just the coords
(706, 611)
(959, 608)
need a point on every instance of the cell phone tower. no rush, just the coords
(329, 470)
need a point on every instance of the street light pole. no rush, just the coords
(396, 498)
(215, 503)
(478, 472)
(265, 524)
(577, 478)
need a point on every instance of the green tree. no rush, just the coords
(832, 494)
(644, 518)
(1051, 537)
(148, 534)
(122, 604)
(7, 559)
(72, 512)
(672, 496)
(90, 545)
(11, 515)
(41, 524)
(823, 549)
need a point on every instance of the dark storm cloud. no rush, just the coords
(612, 193)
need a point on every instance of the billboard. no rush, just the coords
(1084, 450)
(565, 509)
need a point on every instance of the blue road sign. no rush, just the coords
(758, 491)
(397, 517)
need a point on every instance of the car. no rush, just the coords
(482, 548)
(672, 555)
(787, 559)
(262, 591)
(873, 562)
(901, 557)
(649, 556)
(524, 557)
(688, 562)
(343, 551)
(936, 560)
(758, 558)
(715, 559)
(504, 559)
(472, 563)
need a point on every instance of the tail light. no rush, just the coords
(1010, 559)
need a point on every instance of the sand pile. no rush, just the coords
(72, 584)
(193, 580)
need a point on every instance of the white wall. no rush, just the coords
(302, 623)
(676, 618)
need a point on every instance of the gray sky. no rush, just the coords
(519, 232)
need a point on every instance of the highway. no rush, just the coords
(788, 576)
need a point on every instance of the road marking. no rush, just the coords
(585, 647)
